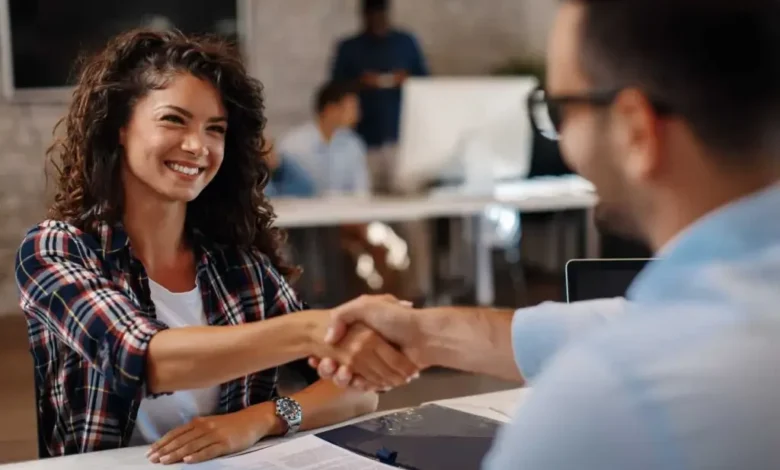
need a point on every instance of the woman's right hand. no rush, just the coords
(363, 353)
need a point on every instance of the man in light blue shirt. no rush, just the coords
(328, 148)
(676, 124)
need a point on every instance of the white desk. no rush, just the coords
(493, 405)
(544, 195)
(536, 195)
(339, 210)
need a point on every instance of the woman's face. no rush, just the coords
(174, 141)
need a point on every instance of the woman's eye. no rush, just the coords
(173, 118)
(218, 129)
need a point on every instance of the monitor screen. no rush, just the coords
(600, 278)
(47, 36)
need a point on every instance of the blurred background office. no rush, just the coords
(427, 70)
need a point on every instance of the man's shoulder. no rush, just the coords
(679, 377)
(665, 343)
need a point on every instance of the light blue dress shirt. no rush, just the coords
(686, 378)
(337, 166)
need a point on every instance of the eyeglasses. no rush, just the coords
(546, 111)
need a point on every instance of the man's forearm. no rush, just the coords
(475, 340)
(198, 357)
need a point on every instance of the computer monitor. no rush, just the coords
(475, 130)
(588, 279)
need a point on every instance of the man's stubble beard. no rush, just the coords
(617, 222)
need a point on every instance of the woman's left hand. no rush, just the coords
(209, 437)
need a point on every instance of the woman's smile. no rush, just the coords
(186, 170)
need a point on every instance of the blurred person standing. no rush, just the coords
(379, 59)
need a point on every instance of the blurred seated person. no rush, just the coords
(334, 158)
(327, 148)
(287, 178)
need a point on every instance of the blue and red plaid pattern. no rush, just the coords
(90, 319)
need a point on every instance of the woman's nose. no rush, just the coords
(194, 143)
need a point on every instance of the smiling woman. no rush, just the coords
(155, 291)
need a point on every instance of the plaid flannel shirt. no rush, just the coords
(90, 319)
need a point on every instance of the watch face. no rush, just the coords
(288, 409)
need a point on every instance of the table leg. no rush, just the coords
(592, 239)
(484, 285)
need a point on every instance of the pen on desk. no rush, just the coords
(499, 412)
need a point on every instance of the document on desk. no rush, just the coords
(429, 437)
(304, 453)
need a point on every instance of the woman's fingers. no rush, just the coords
(403, 369)
(327, 368)
(173, 440)
(207, 453)
(343, 377)
(188, 448)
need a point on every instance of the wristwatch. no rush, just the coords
(290, 412)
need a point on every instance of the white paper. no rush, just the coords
(500, 406)
(304, 453)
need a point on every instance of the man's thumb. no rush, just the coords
(338, 327)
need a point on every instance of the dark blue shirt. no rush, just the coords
(381, 108)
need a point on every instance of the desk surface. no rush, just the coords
(493, 405)
(526, 196)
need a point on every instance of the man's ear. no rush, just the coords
(636, 135)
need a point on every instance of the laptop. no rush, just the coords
(588, 279)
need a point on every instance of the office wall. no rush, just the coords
(290, 53)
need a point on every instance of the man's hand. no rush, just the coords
(361, 350)
(394, 320)
(206, 438)
(380, 366)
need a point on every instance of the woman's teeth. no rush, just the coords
(187, 170)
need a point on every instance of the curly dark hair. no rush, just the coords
(232, 209)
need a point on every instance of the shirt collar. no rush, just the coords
(114, 241)
(113, 238)
(728, 234)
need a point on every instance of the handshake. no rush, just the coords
(373, 343)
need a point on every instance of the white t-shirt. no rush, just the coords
(157, 416)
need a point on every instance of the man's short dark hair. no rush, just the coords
(714, 63)
(369, 6)
(332, 93)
